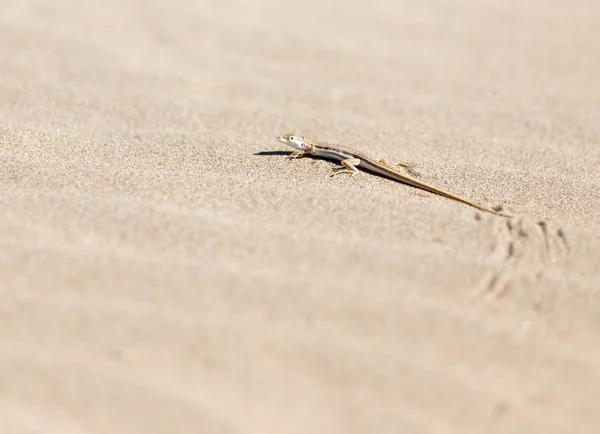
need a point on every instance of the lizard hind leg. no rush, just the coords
(349, 167)
(406, 165)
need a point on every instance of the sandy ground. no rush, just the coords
(164, 268)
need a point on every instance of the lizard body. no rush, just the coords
(352, 159)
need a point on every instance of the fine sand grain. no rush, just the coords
(164, 268)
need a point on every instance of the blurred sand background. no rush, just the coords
(164, 268)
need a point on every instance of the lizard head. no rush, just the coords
(295, 142)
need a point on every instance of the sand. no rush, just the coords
(164, 268)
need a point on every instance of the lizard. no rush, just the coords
(352, 159)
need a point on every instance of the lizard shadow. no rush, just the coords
(272, 153)
(412, 172)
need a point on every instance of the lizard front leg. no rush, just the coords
(297, 154)
(349, 167)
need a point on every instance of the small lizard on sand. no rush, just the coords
(352, 159)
